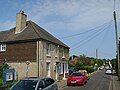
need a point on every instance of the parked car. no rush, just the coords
(77, 78)
(34, 83)
(85, 72)
(108, 71)
(101, 68)
(71, 70)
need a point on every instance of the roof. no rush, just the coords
(31, 32)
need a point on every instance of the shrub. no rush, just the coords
(89, 69)
(4, 66)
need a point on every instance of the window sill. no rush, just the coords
(2, 51)
(48, 55)
(56, 56)
(63, 57)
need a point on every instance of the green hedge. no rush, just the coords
(89, 69)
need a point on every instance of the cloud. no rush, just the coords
(59, 16)
(6, 25)
(78, 14)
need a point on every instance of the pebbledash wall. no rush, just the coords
(20, 69)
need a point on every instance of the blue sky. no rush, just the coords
(84, 25)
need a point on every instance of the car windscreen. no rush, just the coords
(77, 74)
(25, 85)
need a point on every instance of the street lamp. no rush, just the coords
(27, 63)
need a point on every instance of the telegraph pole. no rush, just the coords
(117, 45)
(96, 54)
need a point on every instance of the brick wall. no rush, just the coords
(19, 52)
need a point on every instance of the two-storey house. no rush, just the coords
(47, 55)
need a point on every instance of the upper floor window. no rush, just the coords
(63, 55)
(2, 47)
(47, 49)
(56, 51)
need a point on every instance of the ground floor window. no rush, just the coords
(60, 68)
(48, 69)
(63, 68)
(66, 67)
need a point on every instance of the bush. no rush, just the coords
(89, 69)
(7, 85)
(0, 82)
(4, 66)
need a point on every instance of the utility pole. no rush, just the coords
(96, 54)
(117, 45)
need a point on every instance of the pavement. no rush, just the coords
(115, 83)
(61, 84)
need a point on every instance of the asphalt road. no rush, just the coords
(98, 81)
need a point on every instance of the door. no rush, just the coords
(63, 71)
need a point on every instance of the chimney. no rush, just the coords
(20, 21)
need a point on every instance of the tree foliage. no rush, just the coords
(84, 62)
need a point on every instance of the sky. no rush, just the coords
(83, 25)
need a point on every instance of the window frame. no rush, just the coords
(60, 68)
(2, 47)
(63, 52)
(56, 51)
(66, 67)
(48, 48)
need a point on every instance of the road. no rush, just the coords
(98, 81)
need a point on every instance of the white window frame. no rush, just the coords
(63, 53)
(47, 49)
(48, 68)
(60, 68)
(56, 51)
(66, 67)
(2, 47)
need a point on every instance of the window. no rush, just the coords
(63, 56)
(48, 69)
(60, 68)
(77, 74)
(41, 85)
(66, 67)
(51, 81)
(2, 47)
(25, 85)
(47, 49)
(47, 83)
(56, 51)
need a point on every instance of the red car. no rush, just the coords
(77, 78)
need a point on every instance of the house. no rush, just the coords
(73, 59)
(32, 51)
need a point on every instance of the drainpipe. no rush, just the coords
(38, 56)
